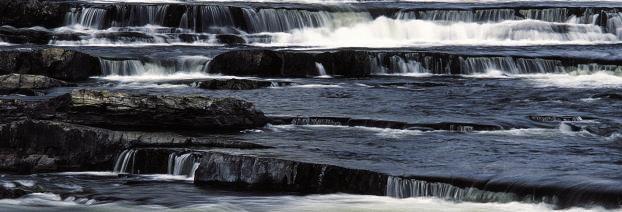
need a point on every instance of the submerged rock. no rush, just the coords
(27, 84)
(238, 84)
(352, 122)
(230, 39)
(63, 64)
(151, 112)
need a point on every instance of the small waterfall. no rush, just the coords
(183, 64)
(509, 65)
(185, 164)
(404, 188)
(321, 72)
(399, 65)
(86, 17)
(125, 161)
(121, 67)
(204, 17)
(549, 15)
(138, 15)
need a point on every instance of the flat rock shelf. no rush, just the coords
(310, 105)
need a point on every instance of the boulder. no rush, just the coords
(63, 64)
(27, 84)
(141, 111)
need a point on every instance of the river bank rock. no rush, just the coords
(59, 63)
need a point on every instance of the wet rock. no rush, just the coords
(541, 118)
(126, 37)
(32, 13)
(28, 146)
(347, 63)
(39, 146)
(21, 36)
(352, 122)
(252, 62)
(238, 84)
(63, 64)
(258, 173)
(455, 127)
(264, 63)
(12, 193)
(151, 112)
(27, 84)
(230, 39)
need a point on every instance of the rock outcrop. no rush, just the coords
(258, 173)
(62, 64)
(30, 146)
(151, 112)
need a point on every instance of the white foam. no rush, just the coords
(387, 32)
(600, 79)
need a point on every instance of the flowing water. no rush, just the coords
(517, 65)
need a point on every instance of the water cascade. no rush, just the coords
(283, 20)
(125, 161)
(182, 64)
(404, 188)
(185, 164)
(86, 17)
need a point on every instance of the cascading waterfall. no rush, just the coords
(185, 164)
(418, 64)
(490, 15)
(283, 20)
(335, 28)
(86, 17)
(203, 18)
(509, 65)
(182, 64)
(139, 15)
(399, 65)
(404, 188)
(384, 32)
(125, 161)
